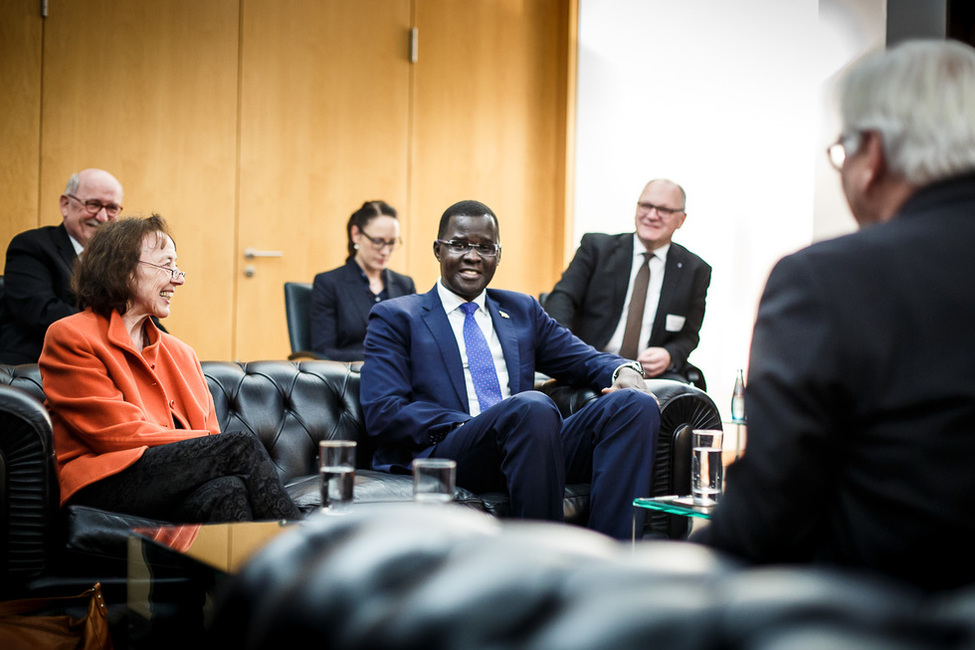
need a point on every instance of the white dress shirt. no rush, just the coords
(76, 245)
(657, 265)
(451, 304)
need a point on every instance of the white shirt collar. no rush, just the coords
(639, 248)
(76, 245)
(452, 301)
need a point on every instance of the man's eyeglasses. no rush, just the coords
(173, 271)
(462, 247)
(662, 211)
(93, 206)
(379, 243)
(837, 152)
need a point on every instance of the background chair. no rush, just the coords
(297, 302)
(2, 301)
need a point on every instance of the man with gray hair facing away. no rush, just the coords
(861, 391)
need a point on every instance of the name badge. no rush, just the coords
(674, 323)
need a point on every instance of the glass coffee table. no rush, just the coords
(174, 572)
(672, 505)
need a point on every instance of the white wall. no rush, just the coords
(729, 100)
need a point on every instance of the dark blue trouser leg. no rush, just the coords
(513, 447)
(611, 444)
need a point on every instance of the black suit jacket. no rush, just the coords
(861, 402)
(589, 298)
(340, 304)
(37, 291)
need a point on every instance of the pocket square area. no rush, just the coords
(675, 323)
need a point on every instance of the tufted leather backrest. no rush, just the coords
(26, 377)
(290, 407)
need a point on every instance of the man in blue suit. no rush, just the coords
(450, 374)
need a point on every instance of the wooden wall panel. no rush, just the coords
(324, 117)
(148, 91)
(489, 124)
(20, 118)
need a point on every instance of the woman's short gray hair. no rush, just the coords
(920, 97)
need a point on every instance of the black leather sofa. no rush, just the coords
(422, 577)
(290, 407)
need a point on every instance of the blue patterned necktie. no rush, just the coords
(480, 361)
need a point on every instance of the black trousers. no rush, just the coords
(224, 477)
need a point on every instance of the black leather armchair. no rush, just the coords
(290, 407)
(440, 577)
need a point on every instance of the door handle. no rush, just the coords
(251, 253)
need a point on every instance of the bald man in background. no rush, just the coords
(595, 296)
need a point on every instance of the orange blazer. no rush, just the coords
(109, 402)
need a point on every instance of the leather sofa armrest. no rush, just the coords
(683, 408)
(568, 398)
(414, 577)
(29, 494)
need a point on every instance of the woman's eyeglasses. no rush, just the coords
(172, 270)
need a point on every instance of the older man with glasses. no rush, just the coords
(861, 391)
(37, 275)
(638, 294)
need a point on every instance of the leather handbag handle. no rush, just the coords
(26, 605)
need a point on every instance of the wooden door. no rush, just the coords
(148, 91)
(20, 117)
(258, 124)
(324, 122)
(489, 123)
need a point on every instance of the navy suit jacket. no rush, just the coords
(340, 304)
(37, 291)
(589, 298)
(413, 390)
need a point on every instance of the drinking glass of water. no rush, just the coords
(337, 474)
(433, 480)
(707, 469)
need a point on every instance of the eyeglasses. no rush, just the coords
(837, 151)
(175, 272)
(662, 211)
(379, 243)
(92, 206)
(462, 248)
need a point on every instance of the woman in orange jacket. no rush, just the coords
(134, 422)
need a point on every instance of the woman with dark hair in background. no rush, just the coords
(341, 298)
(135, 430)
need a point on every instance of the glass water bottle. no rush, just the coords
(738, 398)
